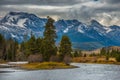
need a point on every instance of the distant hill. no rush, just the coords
(114, 48)
(19, 25)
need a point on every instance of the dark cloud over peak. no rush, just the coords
(40, 2)
(112, 1)
(105, 11)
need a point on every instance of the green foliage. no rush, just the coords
(65, 47)
(31, 45)
(2, 46)
(110, 53)
(85, 55)
(2, 40)
(10, 49)
(48, 45)
(103, 51)
(93, 54)
(118, 57)
(77, 53)
(45, 46)
(114, 53)
(50, 33)
(107, 56)
(47, 50)
(39, 45)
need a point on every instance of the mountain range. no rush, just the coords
(19, 25)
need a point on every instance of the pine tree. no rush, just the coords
(39, 45)
(48, 45)
(76, 54)
(23, 45)
(65, 47)
(103, 51)
(30, 45)
(12, 47)
(2, 47)
(117, 58)
(107, 55)
(80, 53)
(1, 41)
(50, 33)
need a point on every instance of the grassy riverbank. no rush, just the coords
(95, 60)
(45, 65)
(2, 62)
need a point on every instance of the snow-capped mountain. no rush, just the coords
(18, 25)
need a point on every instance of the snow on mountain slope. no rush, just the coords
(16, 25)
(19, 24)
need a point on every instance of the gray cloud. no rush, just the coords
(40, 2)
(83, 10)
(112, 1)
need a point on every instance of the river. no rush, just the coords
(84, 72)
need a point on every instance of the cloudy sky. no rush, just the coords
(106, 12)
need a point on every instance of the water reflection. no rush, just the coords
(84, 72)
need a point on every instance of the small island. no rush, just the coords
(39, 52)
(45, 65)
(47, 53)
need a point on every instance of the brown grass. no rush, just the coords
(2, 62)
(45, 65)
(94, 60)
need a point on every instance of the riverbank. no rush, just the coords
(83, 72)
(95, 60)
(114, 63)
(45, 65)
(2, 62)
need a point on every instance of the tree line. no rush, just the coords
(110, 53)
(37, 49)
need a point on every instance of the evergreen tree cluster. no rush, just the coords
(46, 46)
(110, 53)
(77, 53)
(8, 49)
(65, 47)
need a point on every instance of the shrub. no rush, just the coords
(54, 59)
(20, 56)
(118, 58)
(67, 60)
(35, 58)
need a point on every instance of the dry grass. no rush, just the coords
(94, 60)
(45, 65)
(2, 62)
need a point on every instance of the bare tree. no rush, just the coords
(35, 58)
(67, 59)
(54, 58)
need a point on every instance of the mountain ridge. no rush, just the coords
(83, 36)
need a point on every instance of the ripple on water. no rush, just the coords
(84, 72)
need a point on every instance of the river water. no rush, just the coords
(84, 72)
